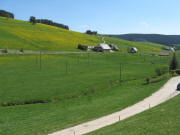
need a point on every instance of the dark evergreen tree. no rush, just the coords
(32, 20)
(174, 63)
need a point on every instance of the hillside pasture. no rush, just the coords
(68, 89)
(17, 34)
(47, 78)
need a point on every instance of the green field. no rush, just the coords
(17, 34)
(42, 119)
(70, 97)
(161, 120)
(58, 77)
(40, 94)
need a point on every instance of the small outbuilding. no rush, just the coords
(102, 48)
(164, 54)
(133, 50)
(114, 47)
(172, 49)
(90, 47)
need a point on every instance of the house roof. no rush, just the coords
(172, 49)
(164, 54)
(135, 49)
(104, 46)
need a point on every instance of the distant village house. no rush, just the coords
(164, 54)
(114, 47)
(133, 50)
(172, 49)
(90, 47)
(102, 48)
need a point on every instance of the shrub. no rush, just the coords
(162, 70)
(21, 50)
(172, 72)
(159, 79)
(178, 71)
(5, 104)
(5, 50)
(82, 47)
(147, 80)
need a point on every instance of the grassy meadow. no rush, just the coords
(161, 120)
(40, 94)
(70, 88)
(47, 78)
(17, 34)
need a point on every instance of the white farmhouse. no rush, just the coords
(133, 50)
(102, 48)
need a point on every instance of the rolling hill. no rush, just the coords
(44, 93)
(155, 38)
(17, 34)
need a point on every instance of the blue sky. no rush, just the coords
(105, 16)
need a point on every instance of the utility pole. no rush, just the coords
(78, 59)
(36, 59)
(66, 67)
(88, 58)
(40, 60)
(120, 73)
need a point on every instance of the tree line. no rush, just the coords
(169, 40)
(91, 32)
(33, 20)
(4, 13)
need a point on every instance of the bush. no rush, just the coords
(160, 79)
(178, 71)
(5, 50)
(5, 104)
(21, 50)
(172, 72)
(147, 80)
(162, 70)
(82, 47)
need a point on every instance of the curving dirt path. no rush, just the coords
(167, 92)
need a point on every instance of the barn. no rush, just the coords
(114, 47)
(102, 48)
(133, 50)
(164, 54)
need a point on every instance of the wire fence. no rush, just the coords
(71, 75)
